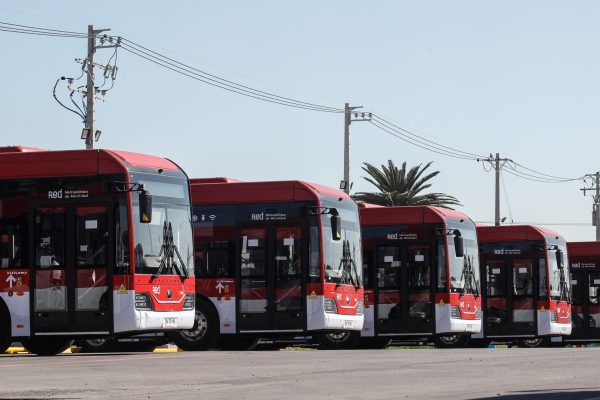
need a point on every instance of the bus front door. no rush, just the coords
(509, 300)
(271, 283)
(70, 278)
(404, 291)
(585, 301)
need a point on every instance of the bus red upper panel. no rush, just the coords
(23, 162)
(511, 233)
(377, 215)
(219, 190)
(583, 249)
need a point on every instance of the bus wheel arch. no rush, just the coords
(534, 342)
(46, 345)
(205, 332)
(5, 327)
(96, 345)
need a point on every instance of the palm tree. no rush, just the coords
(399, 187)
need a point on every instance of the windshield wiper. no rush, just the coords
(168, 250)
(468, 276)
(348, 266)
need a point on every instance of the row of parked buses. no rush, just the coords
(97, 245)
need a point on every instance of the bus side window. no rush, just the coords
(12, 241)
(49, 237)
(214, 260)
(543, 290)
(121, 240)
(314, 265)
(441, 269)
(367, 268)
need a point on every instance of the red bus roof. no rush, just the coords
(18, 149)
(371, 214)
(24, 162)
(583, 249)
(513, 233)
(226, 190)
(217, 179)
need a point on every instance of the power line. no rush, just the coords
(189, 71)
(222, 83)
(506, 197)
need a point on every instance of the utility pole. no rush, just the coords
(90, 89)
(89, 134)
(345, 183)
(497, 163)
(596, 206)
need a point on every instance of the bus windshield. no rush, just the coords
(559, 284)
(342, 258)
(464, 271)
(165, 245)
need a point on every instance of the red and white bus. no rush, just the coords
(584, 261)
(93, 243)
(273, 259)
(421, 273)
(525, 285)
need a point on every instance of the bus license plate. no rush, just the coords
(170, 322)
(348, 324)
(469, 328)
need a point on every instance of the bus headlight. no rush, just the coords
(143, 302)
(553, 316)
(190, 300)
(478, 314)
(454, 312)
(360, 306)
(329, 305)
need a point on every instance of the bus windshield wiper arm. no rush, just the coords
(168, 251)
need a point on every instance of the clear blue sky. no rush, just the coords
(518, 78)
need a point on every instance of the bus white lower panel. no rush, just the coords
(128, 319)
(318, 319)
(368, 329)
(445, 324)
(18, 307)
(226, 309)
(546, 327)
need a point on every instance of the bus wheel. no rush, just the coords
(233, 342)
(46, 346)
(374, 343)
(5, 334)
(137, 347)
(451, 341)
(204, 333)
(534, 342)
(338, 340)
(96, 345)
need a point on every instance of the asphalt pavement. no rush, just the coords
(502, 374)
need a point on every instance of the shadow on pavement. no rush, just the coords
(549, 394)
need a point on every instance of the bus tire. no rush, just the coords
(338, 340)
(5, 332)
(46, 346)
(479, 343)
(96, 345)
(374, 343)
(205, 332)
(451, 341)
(234, 342)
(137, 347)
(534, 342)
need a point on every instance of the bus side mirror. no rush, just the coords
(336, 227)
(145, 207)
(459, 248)
(560, 259)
